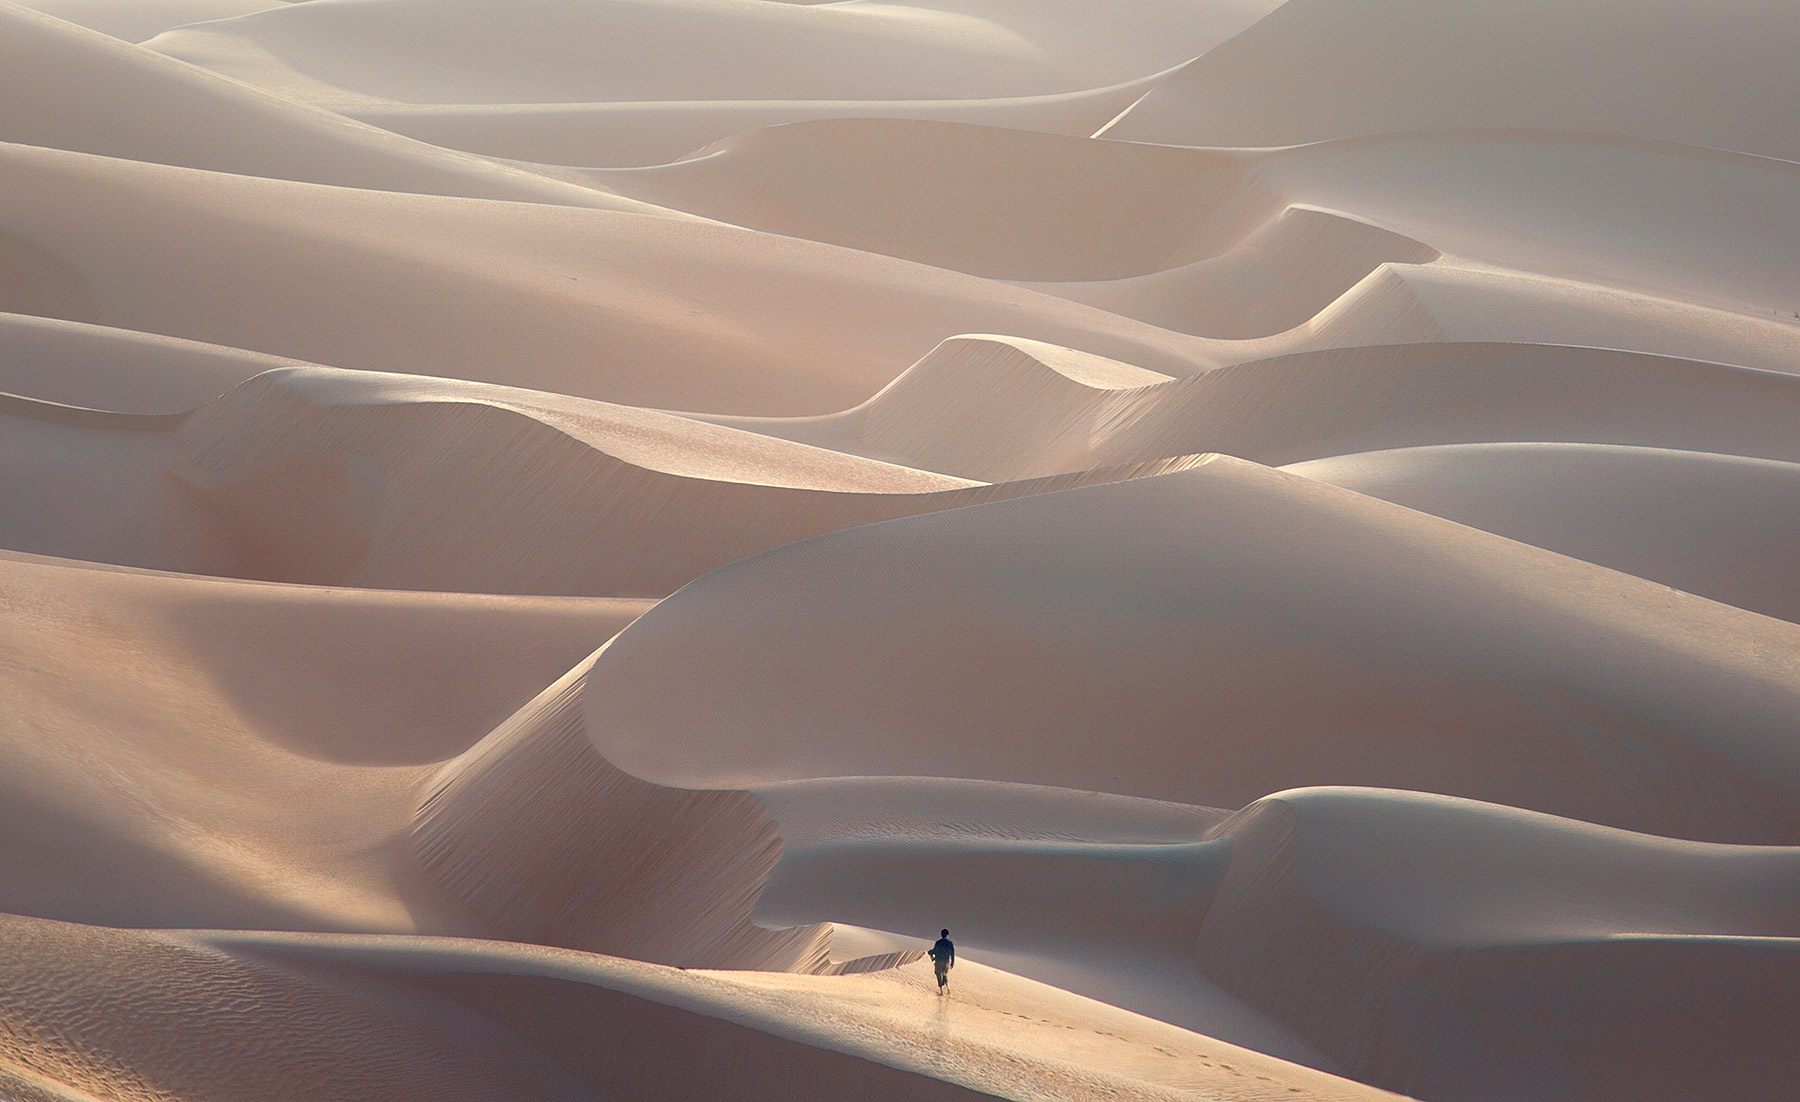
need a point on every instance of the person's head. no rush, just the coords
(945, 933)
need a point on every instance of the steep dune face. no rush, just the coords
(1474, 303)
(537, 832)
(1129, 638)
(195, 752)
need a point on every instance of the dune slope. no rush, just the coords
(1130, 638)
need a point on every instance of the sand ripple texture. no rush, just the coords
(548, 546)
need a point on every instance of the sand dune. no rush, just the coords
(1713, 525)
(1612, 211)
(640, 134)
(534, 830)
(335, 477)
(1315, 257)
(1266, 252)
(547, 548)
(73, 88)
(922, 191)
(1130, 635)
(833, 1036)
(137, 20)
(996, 408)
(651, 311)
(1382, 66)
(1454, 301)
(1434, 946)
(1435, 919)
(52, 360)
(193, 752)
(642, 83)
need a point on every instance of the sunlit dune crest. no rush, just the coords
(548, 548)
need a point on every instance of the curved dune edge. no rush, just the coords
(924, 191)
(193, 751)
(536, 832)
(1283, 275)
(1249, 91)
(406, 1017)
(292, 1016)
(1719, 526)
(1258, 252)
(335, 477)
(1186, 239)
(1425, 943)
(630, 95)
(1411, 937)
(78, 89)
(54, 360)
(995, 408)
(601, 137)
(666, 311)
(1147, 637)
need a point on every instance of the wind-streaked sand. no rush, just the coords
(547, 548)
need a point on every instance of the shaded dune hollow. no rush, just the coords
(1454, 950)
(1281, 275)
(546, 841)
(925, 191)
(333, 477)
(1184, 239)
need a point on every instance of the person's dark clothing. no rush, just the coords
(943, 954)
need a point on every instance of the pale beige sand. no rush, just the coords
(1721, 526)
(1270, 251)
(994, 407)
(642, 83)
(1132, 638)
(546, 548)
(136, 20)
(663, 312)
(334, 477)
(1610, 67)
(72, 88)
(52, 360)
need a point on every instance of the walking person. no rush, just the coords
(943, 955)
